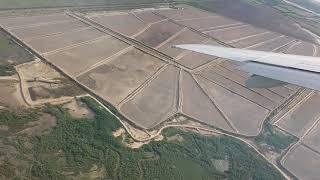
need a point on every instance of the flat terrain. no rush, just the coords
(303, 163)
(139, 83)
(125, 58)
(301, 118)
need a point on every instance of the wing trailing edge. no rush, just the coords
(299, 70)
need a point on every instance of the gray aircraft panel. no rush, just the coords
(300, 70)
(294, 61)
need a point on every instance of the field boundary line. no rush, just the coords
(105, 60)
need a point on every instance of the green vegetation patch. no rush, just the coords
(275, 138)
(76, 146)
(16, 120)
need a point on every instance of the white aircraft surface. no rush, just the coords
(268, 69)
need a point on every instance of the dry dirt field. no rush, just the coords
(312, 139)
(158, 33)
(157, 101)
(126, 24)
(301, 118)
(10, 95)
(147, 90)
(47, 29)
(124, 74)
(303, 163)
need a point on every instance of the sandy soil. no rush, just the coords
(78, 109)
(78, 59)
(196, 103)
(10, 95)
(156, 102)
(303, 163)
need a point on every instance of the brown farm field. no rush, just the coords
(125, 59)
(303, 163)
(147, 88)
(302, 117)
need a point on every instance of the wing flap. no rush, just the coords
(294, 76)
(256, 81)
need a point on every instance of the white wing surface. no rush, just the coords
(300, 70)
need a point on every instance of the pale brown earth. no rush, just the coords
(158, 33)
(254, 40)
(208, 23)
(148, 16)
(197, 104)
(233, 33)
(38, 70)
(241, 80)
(78, 109)
(185, 37)
(302, 48)
(10, 95)
(26, 21)
(313, 138)
(138, 84)
(126, 24)
(46, 29)
(301, 118)
(50, 43)
(233, 107)
(157, 101)
(123, 74)
(303, 163)
(77, 59)
(274, 44)
(184, 13)
(239, 89)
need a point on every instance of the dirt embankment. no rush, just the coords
(262, 16)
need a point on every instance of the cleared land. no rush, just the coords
(313, 138)
(158, 33)
(78, 59)
(123, 75)
(208, 23)
(185, 13)
(303, 163)
(302, 117)
(234, 33)
(50, 43)
(126, 24)
(157, 101)
(47, 29)
(148, 16)
(197, 104)
(133, 80)
(239, 89)
(233, 107)
(34, 20)
(10, 95)
(302, 48)
(254, 40)
(274, 44)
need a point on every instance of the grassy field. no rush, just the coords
(85, 148)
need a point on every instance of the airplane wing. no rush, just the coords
(300, 70)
